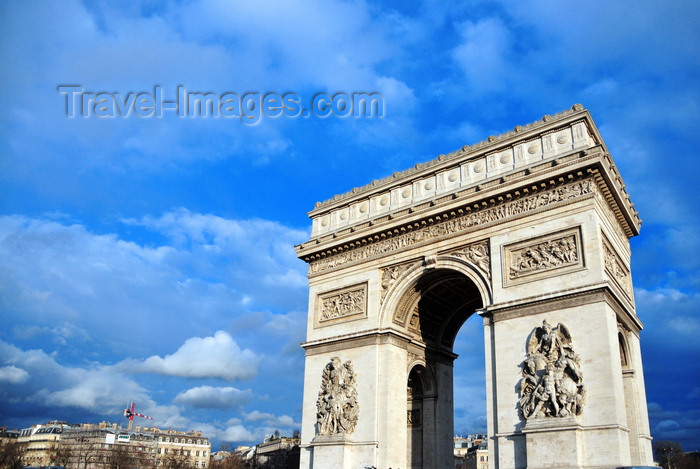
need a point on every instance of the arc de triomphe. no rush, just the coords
(529, 230)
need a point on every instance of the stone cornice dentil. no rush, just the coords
(469, 151)
(540, 150)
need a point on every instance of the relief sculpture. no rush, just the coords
(552, 382)
(343, 304)
(546, 255)
(336, 408)
(473, 219)
(477, 254)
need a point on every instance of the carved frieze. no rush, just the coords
(337, 409)
(473, 217)
(616, 269)
(341, 305)
(478, 254)
(538, 257)
(552, 381)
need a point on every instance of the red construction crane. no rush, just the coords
(130, 413)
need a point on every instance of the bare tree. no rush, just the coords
(120, 458)
(176, 459)
(11, 455)
(668, 454)
(233, 461)
(62, 455)
(84, 452)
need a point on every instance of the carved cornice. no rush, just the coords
(368, 338)
(510, 205)
(474, 178)
(595, 294)
(465, 151)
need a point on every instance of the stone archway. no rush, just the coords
(432, 309)
(530, 229)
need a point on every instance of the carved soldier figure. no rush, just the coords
(552, 383)
(336, 407)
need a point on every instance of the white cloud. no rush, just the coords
(13, 375)
(270, 420)
(484, 55)
(40, 381)
(206, 357)
(64, 283)
(214, 397)
(236, 433)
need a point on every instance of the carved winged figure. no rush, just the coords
(552, 381)
(336, 407)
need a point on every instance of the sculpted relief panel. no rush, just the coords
(341, 305)
(472, 218)
(536, 258)
(337, 408)
(552, 382)
(616, 269)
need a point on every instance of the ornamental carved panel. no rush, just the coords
(341, 305)
(472, 219)
(337, 408)
(542, 257)
(616, 269)
(552, 382)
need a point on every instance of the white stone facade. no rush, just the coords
(527, 227)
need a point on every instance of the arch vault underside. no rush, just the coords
(529, 230)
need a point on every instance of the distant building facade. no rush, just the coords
(471, 452)
(104, 446)
(278, 452)
(40, 443)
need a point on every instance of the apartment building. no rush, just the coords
(105, 446)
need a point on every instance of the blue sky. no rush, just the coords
(151, 259)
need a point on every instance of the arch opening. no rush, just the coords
(445, 299)
(442, 300)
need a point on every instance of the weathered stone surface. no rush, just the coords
(530, 230)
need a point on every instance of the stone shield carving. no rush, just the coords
(552, 382)
(337, 408)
